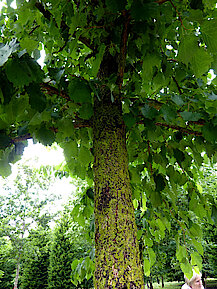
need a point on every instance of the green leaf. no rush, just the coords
(159, 182)
(37, 99)
(214, 214)
(115, 6)
(168, 112)
(45, 136)
(196, 259)
(5, 141)
(146, 267)
(129, 120)
(190, 116)
(97, 61)
(79, 91)
(155, 198)
(141, 10)
(24, 70)
(179, 155)
(198, 246)
(209, 133)
(86, 111)
(5, 168)
(186, 269)
(139, 233)
(29, 44)
(181, 253)
(210, 4)
(209, 33)
(150, 61)
(187, 48)
(149, 112)
(190, 53)
(152, 256)
(177, 99)
(201, 62)
(84, 155)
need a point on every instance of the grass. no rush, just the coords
(168, 285)
(177, 285)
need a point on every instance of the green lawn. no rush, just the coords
(168, 285)
(177, 285)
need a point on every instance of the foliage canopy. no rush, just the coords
(146, 62)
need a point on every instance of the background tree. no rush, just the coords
(35, 260)
(68, 243)
(21, 207)
(7, 264)
(124, 82)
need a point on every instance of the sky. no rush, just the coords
(36, 155)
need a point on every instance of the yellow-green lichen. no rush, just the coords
(117, 254)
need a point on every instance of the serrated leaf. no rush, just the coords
(149, 62)
(190, 53)
(45, 136)
(141, 10)
(139, 232)
(146, 267)
(179, 155)
(79, 91)
(129, 120)
(186, 269)
(190, 116)
(209, 33)
(84, 155)
(149, 112)
(86, 111)
(196, 259)
(29, 44)
(177, 99)
(187, 48)
(5, 141)
(159, 182)
(5, 168)
(97, 61)
(181, 253)
(152, 256)
(201, 62)
(37, 99)
(168, 113)
(198, 246)
(209, 132)
(24, 70)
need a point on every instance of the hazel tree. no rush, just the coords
(126, 91)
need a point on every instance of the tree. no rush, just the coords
(36, 259)
(21, 208)
(68, 244)
(7, 264)
(124, 86)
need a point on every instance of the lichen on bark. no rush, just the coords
(117, 254)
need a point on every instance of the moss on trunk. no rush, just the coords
(117, 253)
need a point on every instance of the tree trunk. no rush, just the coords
(17, 274)
(162, 281)
(117, 252)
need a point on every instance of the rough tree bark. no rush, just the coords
(117, 260)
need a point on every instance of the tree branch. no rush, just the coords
(51, 90)
(123, 47)
(181, 129)
(47, 14)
